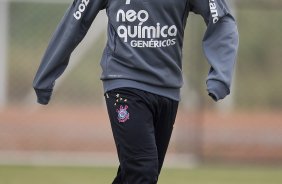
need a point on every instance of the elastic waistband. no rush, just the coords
(172, 93)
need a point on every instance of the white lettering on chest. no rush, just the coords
(156, 35)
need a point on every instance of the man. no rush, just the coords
(141, 67)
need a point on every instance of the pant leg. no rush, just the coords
(132, 122)
(164, 126)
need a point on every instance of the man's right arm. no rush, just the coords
(69, 33)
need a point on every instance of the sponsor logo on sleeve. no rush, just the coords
(214, 11)
(81, 8)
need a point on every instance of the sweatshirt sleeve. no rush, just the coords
(69, 33)
(220, 44)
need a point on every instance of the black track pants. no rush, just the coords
(142, 124)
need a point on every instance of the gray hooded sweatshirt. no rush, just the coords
(144, 47)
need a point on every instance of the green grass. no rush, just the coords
(103, 175)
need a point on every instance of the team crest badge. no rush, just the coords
(123, 114)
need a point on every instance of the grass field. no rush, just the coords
(95, 175)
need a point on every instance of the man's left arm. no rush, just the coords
(220, 44)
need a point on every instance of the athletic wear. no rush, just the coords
(141, 70)
(142, 124)
(144, 48)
